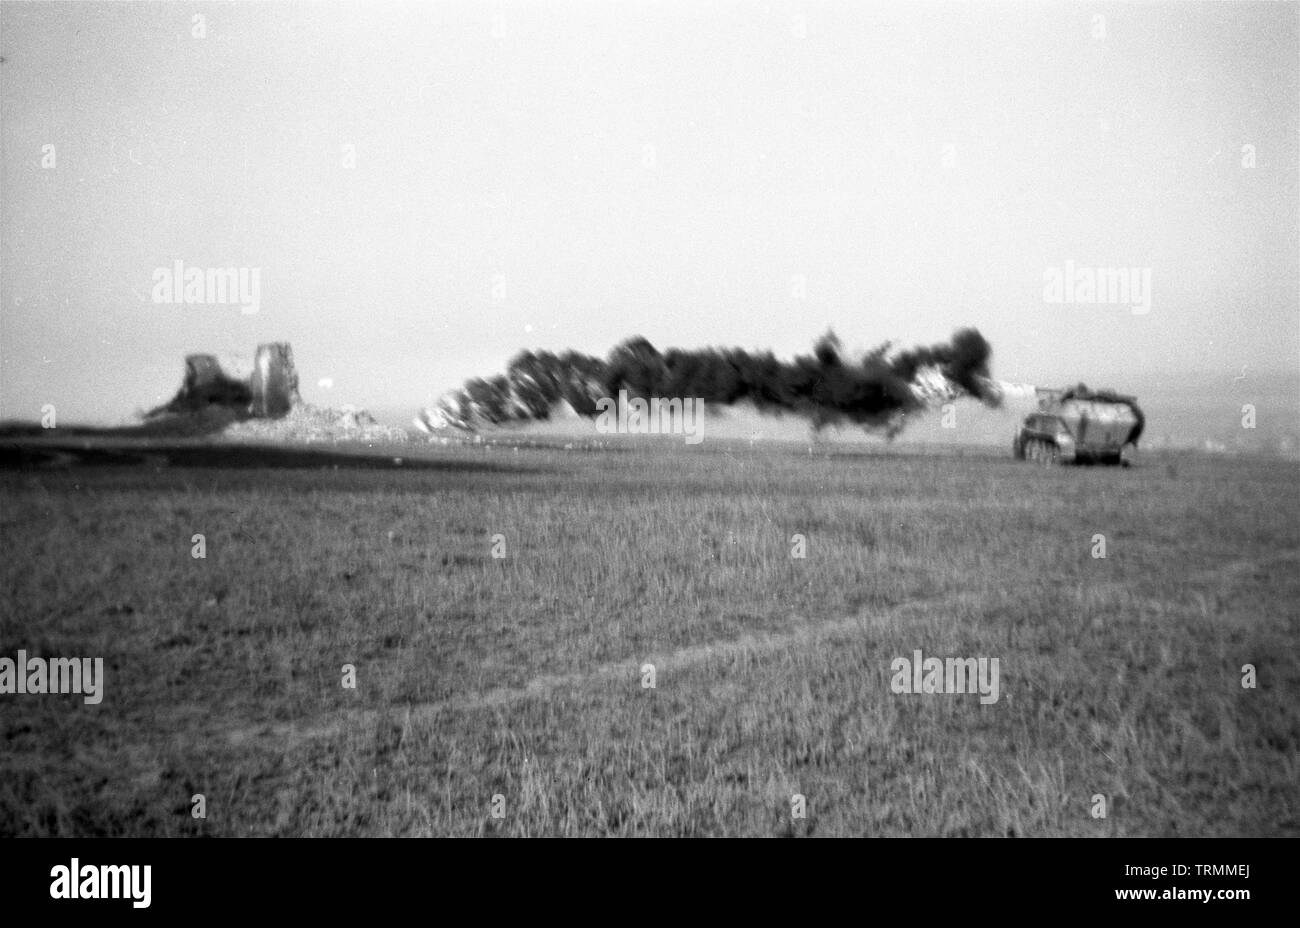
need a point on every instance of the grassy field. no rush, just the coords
(520, 677)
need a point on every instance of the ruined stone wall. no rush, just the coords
(274, 383)
(270, 392)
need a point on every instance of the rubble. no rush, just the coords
(308, 423)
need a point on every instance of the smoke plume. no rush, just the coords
(875, 391)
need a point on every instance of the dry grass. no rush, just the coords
(520, 676)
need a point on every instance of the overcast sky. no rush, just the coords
(558, 176)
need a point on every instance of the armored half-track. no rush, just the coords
(1080, 426)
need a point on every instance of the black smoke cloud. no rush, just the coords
(874, 391)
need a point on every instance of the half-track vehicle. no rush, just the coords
(1080, 426)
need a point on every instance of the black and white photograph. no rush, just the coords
(675, 419)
